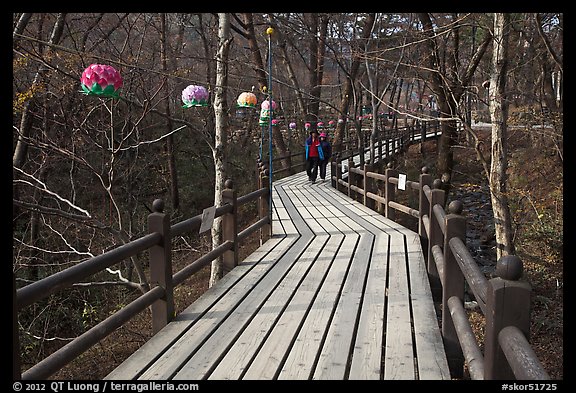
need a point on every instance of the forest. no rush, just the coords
(87, 167)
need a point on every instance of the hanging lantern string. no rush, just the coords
(84, 54)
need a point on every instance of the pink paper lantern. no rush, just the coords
(307, 126)
(101, 80)
(265, 109)
(247, 100)
(194, 96)
(266, 105)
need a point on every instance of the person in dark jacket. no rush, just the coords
(327, 152)
(313, 155)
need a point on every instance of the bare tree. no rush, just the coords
(359, 47)
(221, 133)
(499, 115)
(448, 78)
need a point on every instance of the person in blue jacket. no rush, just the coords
(327, 153)
(313, 155)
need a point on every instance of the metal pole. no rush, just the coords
(269, 32)
(261, 143)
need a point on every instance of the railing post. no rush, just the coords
(379, 145)
(336, 171)
(367, 187)
(266, 230)
(230, 227)
(161, 266)
(435, 238)
(507, 304)
(289, 160)
(350, 175)
(452, 285)
(423, 204)
(390, 191)
(16, 372)
(423, 132)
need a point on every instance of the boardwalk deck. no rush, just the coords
(338, 292)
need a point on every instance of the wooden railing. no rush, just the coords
(504, 300)
(159, 298)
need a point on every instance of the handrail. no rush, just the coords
(467, 339)
(474, 277)
(54, 362)
(520, 355)
(42, 288)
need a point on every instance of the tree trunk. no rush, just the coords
(221, 135)
(170, 139)
(498, 115)
(317, 49)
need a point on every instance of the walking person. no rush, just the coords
(326, 148)
(313, 155)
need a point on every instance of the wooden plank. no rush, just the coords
(267, 362)
(367, 354)
(399, 358)
(251, 321)
(241, 353)
(271, 355)
(301, 359)
(432, 359)
(432, 363)
(335, 352)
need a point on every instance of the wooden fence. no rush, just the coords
(504, 300)
(160, 298)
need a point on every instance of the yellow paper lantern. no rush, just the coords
(247, 100)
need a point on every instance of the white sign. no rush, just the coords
(401, 181)
(207, 218)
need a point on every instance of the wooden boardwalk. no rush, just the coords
(338, 292)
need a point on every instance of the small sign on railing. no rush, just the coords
(207, 218)
(401, 181)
